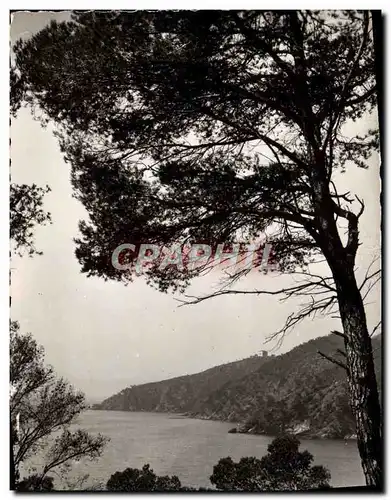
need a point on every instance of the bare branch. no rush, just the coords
(370, 287)
(368, 276)
(339, 334)
(289, 291)
(333, 360)
(362, 207)
(309, 310)
(375, 329)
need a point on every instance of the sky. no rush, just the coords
(104, 336)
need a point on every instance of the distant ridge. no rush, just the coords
(298, 391)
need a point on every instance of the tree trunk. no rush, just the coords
(364, 397)
(363, 393)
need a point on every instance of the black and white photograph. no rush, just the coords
(195, 250)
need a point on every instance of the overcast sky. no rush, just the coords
(103, 336)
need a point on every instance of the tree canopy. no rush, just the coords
(283, 468)
(26, 212)
(202, 125)
(142, 480)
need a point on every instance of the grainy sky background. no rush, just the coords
(103, 336)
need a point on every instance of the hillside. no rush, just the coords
(181, 394)
(298, 391)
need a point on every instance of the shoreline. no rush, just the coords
(236, 425)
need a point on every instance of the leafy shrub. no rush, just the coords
(284, 468)
(142, 480)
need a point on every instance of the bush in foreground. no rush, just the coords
(284, 468)
(142, 480)
(35, 483)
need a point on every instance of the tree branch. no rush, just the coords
(339, 334)
(361, 98)
(375, 328)
(342, 101)
(333, 360)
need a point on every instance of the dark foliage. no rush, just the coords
(35, 483)
(25, 213)
(284, 468)
(142, 480)
(129, 89)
